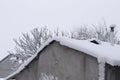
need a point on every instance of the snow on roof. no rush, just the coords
(104, 51)
(2, 79)
(3, 56)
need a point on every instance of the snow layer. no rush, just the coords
(101, 70)
(104, 52)
(2, 56)
(2, 79)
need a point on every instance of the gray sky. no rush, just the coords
(18, 16)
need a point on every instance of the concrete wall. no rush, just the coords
(61, 62)
(112, 72)
(109, 74)
(117, 73)
(67, 64)
(29, 73)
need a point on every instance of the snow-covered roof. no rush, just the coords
(2, 79)
(3, 56)
(104, 51)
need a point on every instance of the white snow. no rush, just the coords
(2, 79)
(2, 56)
(44, 76)
(101, 70)
(104, 52)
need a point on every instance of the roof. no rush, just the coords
(104, 51)
(8, 66)
(3, 56)
(2, 79)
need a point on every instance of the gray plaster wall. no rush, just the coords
(67, 64)
(109, 74)
(112, 72)
(61, 62)
(29, 73)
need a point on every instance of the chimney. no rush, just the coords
(112, 27)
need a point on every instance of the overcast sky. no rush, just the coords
(18, 16)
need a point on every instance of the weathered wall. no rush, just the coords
(118, 73)
(29, 73)
(67, 64)
(109, 74)
(61, 62)
(112, 72)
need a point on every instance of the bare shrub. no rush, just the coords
(28, 44)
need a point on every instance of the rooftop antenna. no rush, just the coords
(112, 27)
